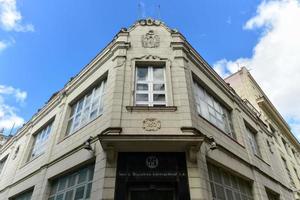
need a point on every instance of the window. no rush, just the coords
(150, 87)
(270, 146)
(2, 163)
(296, 172)
(75, 186)
(288, 172)
(285, 146)
(273, 131)
(40, 141)
(86, 109)
(226, 186)
(210, 109)
(24, 196)
(252, 141)
(272, 195)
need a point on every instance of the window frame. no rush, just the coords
(285, 165)
(226, 114)
(252, 140)
(3, 162)
(150, 83)
(73, 176)
(48, 129)
(23, 194)
(235, 184)
(73, 111)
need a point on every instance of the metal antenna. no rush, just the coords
(141, 10)
(158, 11)
(238, 64)
(12, 128)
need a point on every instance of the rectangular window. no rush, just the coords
(24, 196)
(209, 108)
(288, 172)
(296, 172)
(40, 141)
(285, 146)
(87, 108)
(75, 186)
(150, 86)
(272, 195)
(253, 141)
(273, 131)
(2, 163)
(226, 186)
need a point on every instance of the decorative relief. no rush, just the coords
(149, 22)
(150, 40)
(152, 162)
(151, 124)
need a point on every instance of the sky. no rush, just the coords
(45, 43)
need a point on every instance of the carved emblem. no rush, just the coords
(152, 162)
(150, 40)
(151, 124)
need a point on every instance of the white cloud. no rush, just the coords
(275, 62)
(11, 18)
(8, 114)
(3, 45)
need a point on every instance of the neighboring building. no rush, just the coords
(147, 118)
(3, 138)
(286, 146)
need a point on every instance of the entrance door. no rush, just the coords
(151, 176)
(151, 192)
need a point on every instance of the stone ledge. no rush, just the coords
(151, 109)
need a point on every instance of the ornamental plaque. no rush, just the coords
(150, 40)
(151, 124)
(151, 162)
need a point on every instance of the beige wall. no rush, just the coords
(117, 63)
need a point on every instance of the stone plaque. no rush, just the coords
(151, 124)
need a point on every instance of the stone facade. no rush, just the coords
(282, 142)
(123, 126)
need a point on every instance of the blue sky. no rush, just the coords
(44, 43)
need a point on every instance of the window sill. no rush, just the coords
(260, 158)
(228, 136)
(151, 109)
(32, 159)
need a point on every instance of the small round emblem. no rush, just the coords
(152, 162)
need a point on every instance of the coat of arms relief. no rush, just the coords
(150, 40)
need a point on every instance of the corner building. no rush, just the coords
(147, 118)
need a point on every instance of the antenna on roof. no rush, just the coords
(141, 10)
(158, 12)
(238, 64)
(13, 126)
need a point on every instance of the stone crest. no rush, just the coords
(150, 40)
(151, 162)
(151, 124)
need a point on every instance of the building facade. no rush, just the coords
(147, 118)
(286, 146)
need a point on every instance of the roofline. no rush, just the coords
(273, 108)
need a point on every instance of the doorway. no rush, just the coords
(151, 176)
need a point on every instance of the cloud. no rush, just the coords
(11, 18)
(3, 45)
(275, 62)
(8, 113)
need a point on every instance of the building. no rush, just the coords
(286, 146)
(147, 118)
